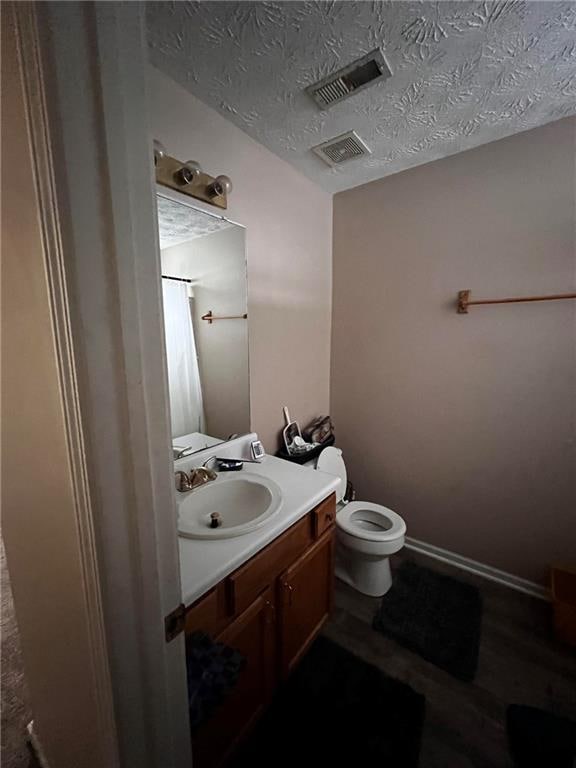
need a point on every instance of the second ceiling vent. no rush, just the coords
(340, 149)
(360, 74)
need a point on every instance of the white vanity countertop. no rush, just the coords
(204, 563)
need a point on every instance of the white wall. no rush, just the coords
(289, 253)
(217, 264)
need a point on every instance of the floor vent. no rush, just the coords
(348, 146)
(360, 74)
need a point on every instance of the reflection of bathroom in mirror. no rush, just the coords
(205, 317)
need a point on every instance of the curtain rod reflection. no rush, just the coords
(179, 279)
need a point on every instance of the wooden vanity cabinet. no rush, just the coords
(270, 609)
(253, 633)
(304, 601)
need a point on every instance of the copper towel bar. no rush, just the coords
(210, 317)
(464, 300)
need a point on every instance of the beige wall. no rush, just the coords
(288, 223)
(217, 264)
(463, 424)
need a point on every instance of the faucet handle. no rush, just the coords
(200, 475)
(183, 482)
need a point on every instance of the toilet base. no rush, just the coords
(369, 575)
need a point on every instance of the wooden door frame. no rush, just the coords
(85, 71)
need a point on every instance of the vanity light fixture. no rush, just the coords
(189, 178)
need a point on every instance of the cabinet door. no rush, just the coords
(253, 633)
(305, 600)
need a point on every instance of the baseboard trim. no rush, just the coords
(480, 569)
(36, 746)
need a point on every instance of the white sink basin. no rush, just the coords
(244, 501)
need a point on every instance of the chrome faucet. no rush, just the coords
(208, 460)
(179, 453)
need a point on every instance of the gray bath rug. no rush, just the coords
(435, 616)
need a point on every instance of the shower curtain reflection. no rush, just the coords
(186, 408)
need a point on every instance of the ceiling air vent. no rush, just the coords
(346, 147)
(351, 79)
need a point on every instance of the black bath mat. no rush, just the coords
(337, 710)
(537, 738)
(212, 671)
(435, 616)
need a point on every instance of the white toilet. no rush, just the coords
(366, 534)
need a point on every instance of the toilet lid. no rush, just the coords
(331, 462)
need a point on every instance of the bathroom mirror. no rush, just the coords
(204, 295)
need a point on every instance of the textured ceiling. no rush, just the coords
(179, 223)
(464, 73)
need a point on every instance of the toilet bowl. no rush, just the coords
(366, 534)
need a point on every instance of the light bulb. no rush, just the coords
(189, 172)
(159, 151)
(222, 185)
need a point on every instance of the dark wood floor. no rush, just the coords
(520, 662)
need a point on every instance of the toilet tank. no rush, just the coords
(332, 462)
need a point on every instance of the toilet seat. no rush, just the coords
(378, 523)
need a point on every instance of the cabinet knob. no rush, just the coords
(290, 589)
(271, 612)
